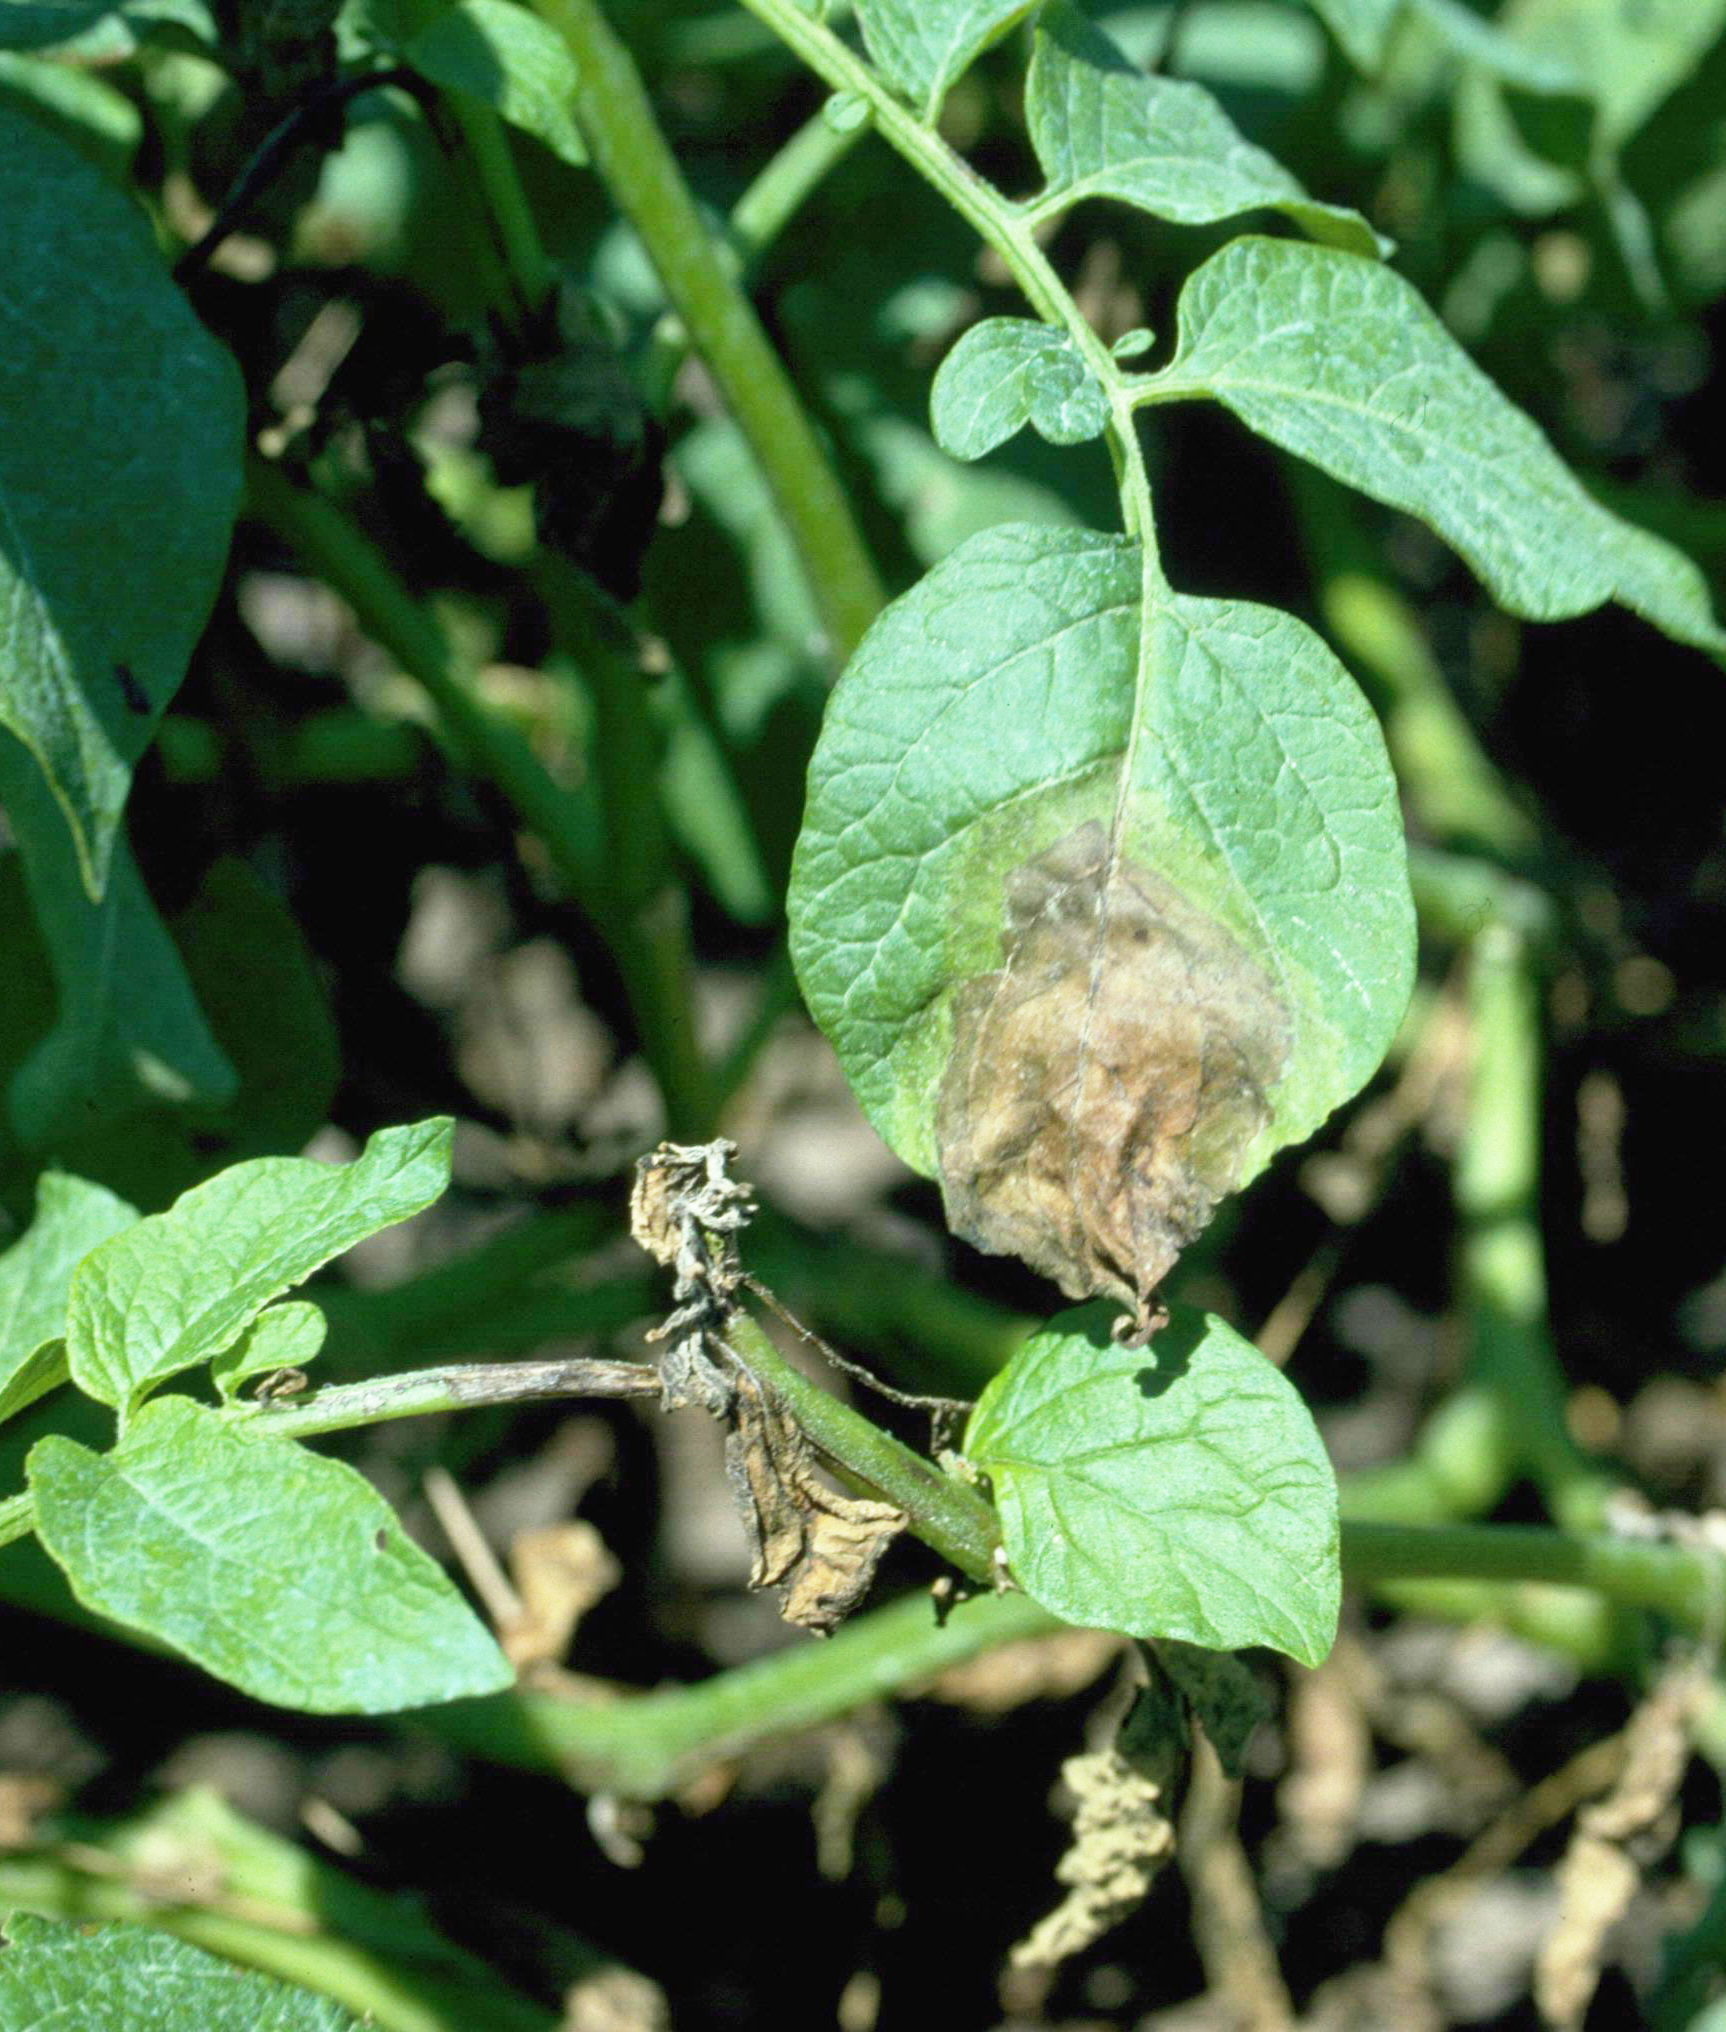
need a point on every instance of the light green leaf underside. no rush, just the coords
(1008, 372)
(72, 1217)
(921, 46)
(280, 1571)
(182, 1286)
(287, 1336)
(114, 401)
(1102, 129)
(511, 60)
(62, 1978)
(996, 710)
(128, 1033)
(1179, 1490)
(1340, 361)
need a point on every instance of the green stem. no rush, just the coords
(650, 1745)
(531, 271)
(1681, 1582)
(943, 1511)
(616, 119)
(1501, 1269)
(784, 183)
(17, 1518)
(1005, 226)
(648, 947)
(461, 1386)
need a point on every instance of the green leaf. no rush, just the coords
(921, 46)
(1361, 26)
(134, 1979)
(281, 1571)
(1340, 361)
(72, 1217)
(1179, 1490)
(79, 105)
(1102, 129)
(287, 1336)
(1101, 897)
(1008, 372)
(127, 1031)
(504, 56)
(39, 24)
(111, 29)
(113, 401)
(181, 1287)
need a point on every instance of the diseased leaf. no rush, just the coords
(816, 1545)
(1179, 1490)
(280, 1571)
(1102, 129)
(285, 1336)
(921, 46)
(1339, 360)
(509, 59)
(1101, 897)
(134, 1979)
(72, 1217)
(127, 1032)
(113, 401)
(1008, 372)
(182, 1286)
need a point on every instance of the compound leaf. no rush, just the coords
(182, 1286)
(1177, 1490)
(125, 1978)
(278, 1570)
(1103, 129)
(113, 400)
(1101, 897)
(1008, 372)
(1339, 360)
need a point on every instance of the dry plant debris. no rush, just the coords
(818, 1546)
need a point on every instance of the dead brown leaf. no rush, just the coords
(560, 1571)
(1599, 1874)
(1105, 1083)
(818, 1547)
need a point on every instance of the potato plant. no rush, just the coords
(968, 544)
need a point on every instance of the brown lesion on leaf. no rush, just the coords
(1107, 1081)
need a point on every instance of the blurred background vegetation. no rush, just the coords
(375, 936)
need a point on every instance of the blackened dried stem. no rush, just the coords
(316, 117)
(463, 1386)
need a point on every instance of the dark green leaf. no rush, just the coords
(1102, 129)
(1005, 373)
(56, 1978)
(1179, 1490)
(113, 401)
(127, 1032)
(180, 1287)
(1339, 360)
(280, 1571)
(499, 53)
(1101, 897)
